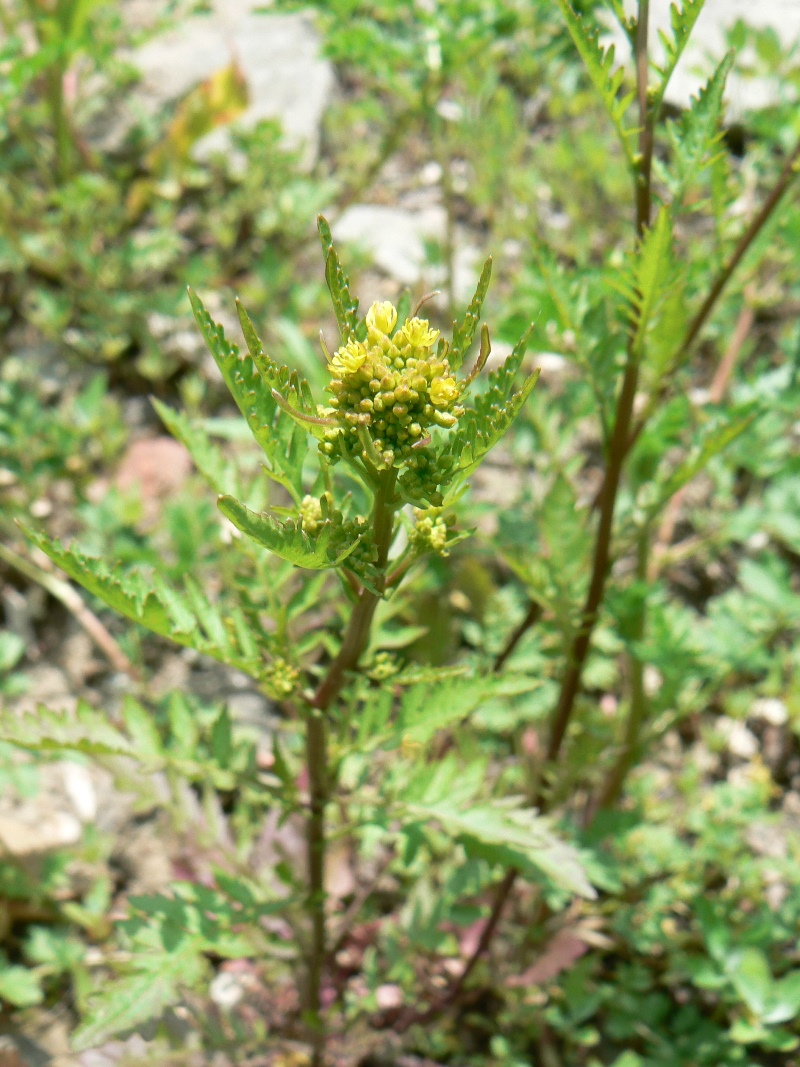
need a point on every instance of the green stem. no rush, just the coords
(787, 175)
(618, 448)
(354, 644)
(617, 451)
(58, 118)
(637, 713)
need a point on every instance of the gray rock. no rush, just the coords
(395, 238)
(279, 55)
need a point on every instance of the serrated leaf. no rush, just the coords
(88, 731)
(652, 270)
(283, 443)
(185, 616)
(715, 441)
(125, 1003)
(464, 332)
(482, 426)
(523, 838)
(696, 138)
(607, 79)
(286, 539)
(345, 306)
(682, 20)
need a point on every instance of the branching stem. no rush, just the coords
(354, 643)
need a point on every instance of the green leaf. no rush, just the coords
(287, 539)
(185, 616)
(696, 138)
(19, 986)
(464, 332)
(127, 1002)
(785, 1000)
(515, 835)
(752, 978)
(283, 442)
(88, 731)
(716, 440)
(648, 283)
(345, 306)
(483, 425)
(599, 63)
(682, 20)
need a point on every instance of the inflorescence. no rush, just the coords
(389, 391)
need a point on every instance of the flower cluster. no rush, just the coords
(390, 390)
(280, 678)
(429, 532)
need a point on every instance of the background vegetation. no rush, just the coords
(615, 645)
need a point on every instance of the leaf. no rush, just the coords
(599, 63)
(186, 616)
(515, 836)
(715, 441)
(214, 102)
(345, 306)
(698, 134)
(287, 539)
(464, 333)
(483, 425)
(283, 443)
(682, 20)
(141, 996)
(785, 1000)
(752, 979)
(19, 986)
(88, 732)
(425, 709)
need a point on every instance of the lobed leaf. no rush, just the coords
(185, 616)
(155, 985)
(283, 443)
(481, 427)
(345, 306)
(464, 332)
(682, 20)
(44, 730)
(607, 79)
(286, 539)
(696, 137)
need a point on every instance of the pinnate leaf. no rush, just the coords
(287, 539)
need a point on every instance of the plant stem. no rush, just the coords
(608, 496)
(317, 764)
(618, 449)
(354, 643)
(531, 618)
(610, 791)
(785, 178)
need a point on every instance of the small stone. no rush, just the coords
(388, 997)
(80, 789)
(226, 990)
(32, 832)
(771, 710)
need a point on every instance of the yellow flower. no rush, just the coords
(418, 333)
(349, 359)
(382, 317)
(443, 392)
